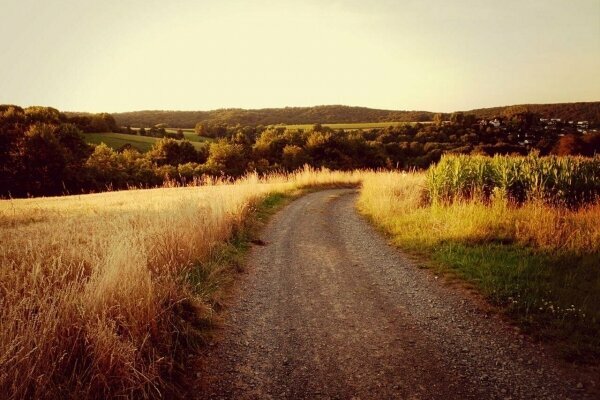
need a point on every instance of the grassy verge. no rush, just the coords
(536, 262)
(210, 282)
(552, 296)
(210, 279)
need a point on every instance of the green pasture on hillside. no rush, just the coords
(190, 135)
(142, 143)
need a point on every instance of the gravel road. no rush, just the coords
(328, 310)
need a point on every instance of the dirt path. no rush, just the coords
(328, 310)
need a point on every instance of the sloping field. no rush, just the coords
(142, 143)
(191, 135)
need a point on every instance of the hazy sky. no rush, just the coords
(92, 55)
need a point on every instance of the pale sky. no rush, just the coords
(120, 55)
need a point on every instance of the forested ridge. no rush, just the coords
(270, 116)
(583, 111)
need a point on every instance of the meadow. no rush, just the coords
(105, 295)
(525, 246)
(142, 143)
(190, 135)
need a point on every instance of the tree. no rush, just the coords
(201, 129)
(568, 145)
(269, 145)
(12, 134)
(294, 157)
(106, 168)
(226, 158)
(43, 160)
(75, 151)
(591, 144)
(469, 120)
(187, 152)
(47, 115)
(212, 130)
(171, 152)
(457, 118)
(73, 143)
(109, 121)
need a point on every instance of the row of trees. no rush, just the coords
(42, 152)
(158, 131)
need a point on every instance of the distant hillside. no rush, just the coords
(337, 114)
(270, 116)
(589, 111)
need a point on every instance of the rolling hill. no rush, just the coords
(335, 114)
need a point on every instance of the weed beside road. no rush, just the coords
(539, 262)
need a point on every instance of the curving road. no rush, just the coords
(328, 310)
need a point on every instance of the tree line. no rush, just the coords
(43, 151)
(589, 111)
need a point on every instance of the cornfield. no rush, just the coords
(563, 181)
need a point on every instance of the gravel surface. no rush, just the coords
(328, 310)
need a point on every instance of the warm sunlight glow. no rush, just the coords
(432, 55)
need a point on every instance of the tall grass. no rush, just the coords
(566, 181)
(95, 295)
(538, 260)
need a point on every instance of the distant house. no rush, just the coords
(583, 126)
(496, 123)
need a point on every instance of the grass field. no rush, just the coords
(142, 143)
(190, 135)
(105, 295)
(537, 261)
(349, 126)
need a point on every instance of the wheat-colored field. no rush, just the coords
(105, 295)
(95, 299)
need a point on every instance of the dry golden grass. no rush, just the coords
(94, 300)
(539, 262)
(397, 202)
